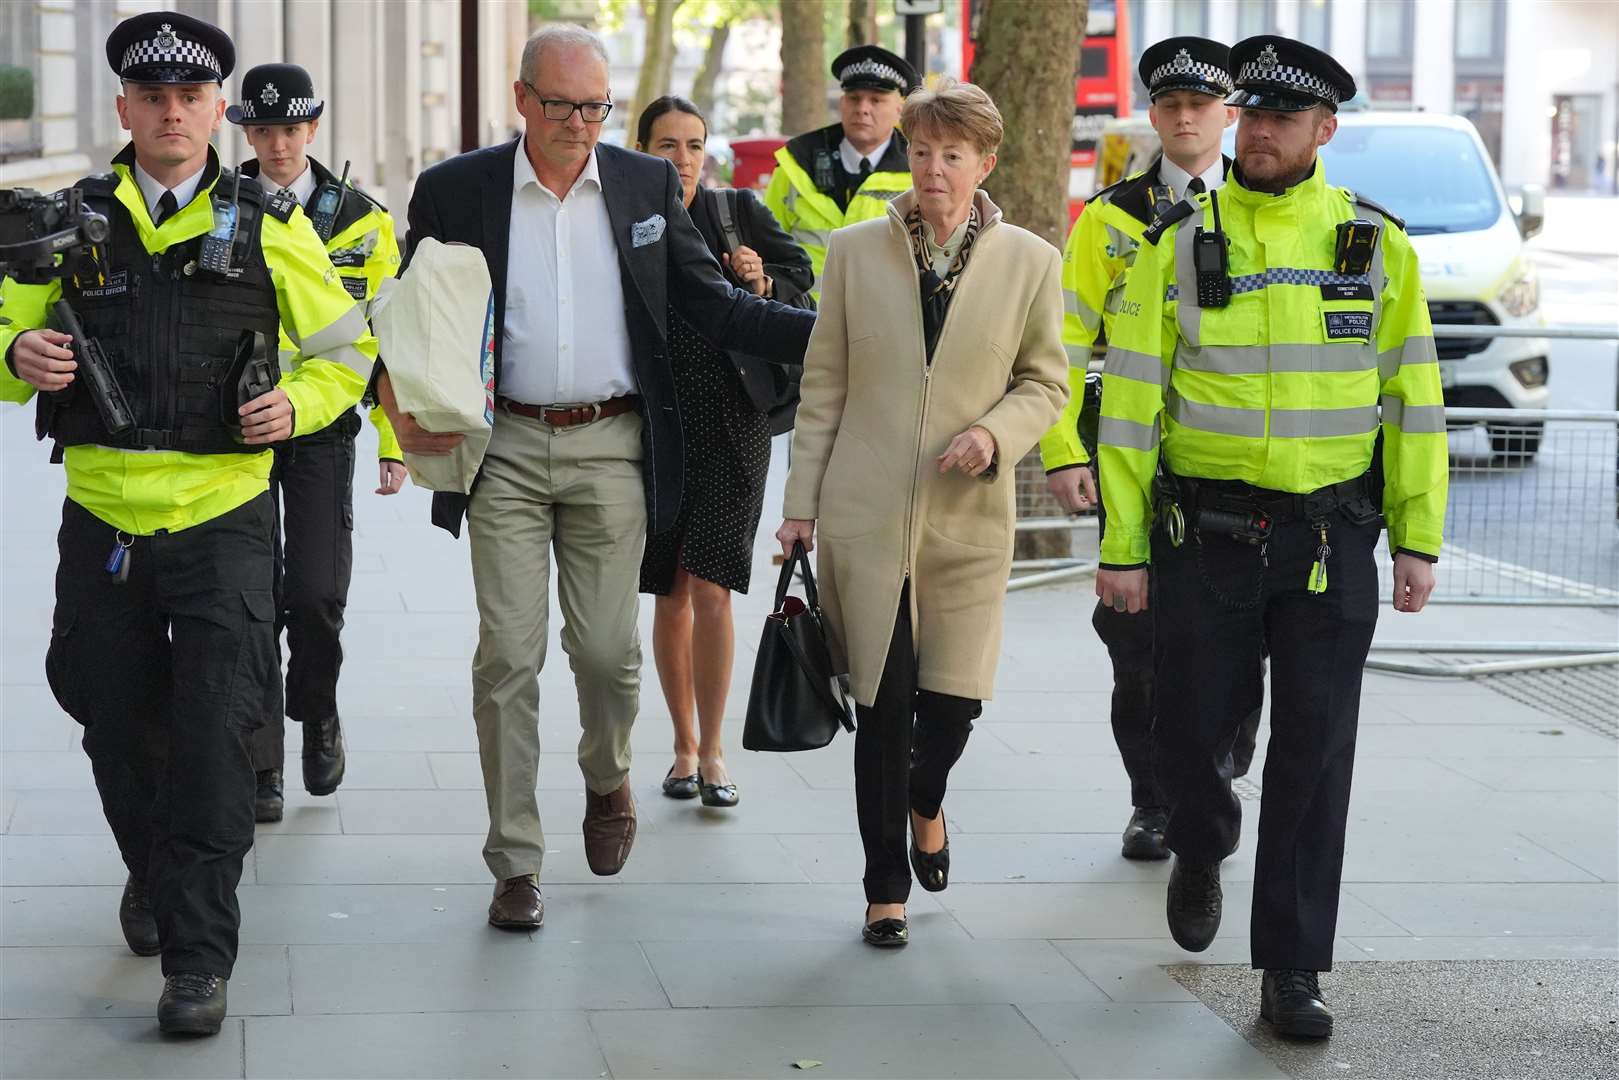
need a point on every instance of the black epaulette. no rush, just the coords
(279, 205)
(367, 196)
(1360, 200)
(1109, 190)
(1179, 212)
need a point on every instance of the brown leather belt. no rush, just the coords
(571, 415)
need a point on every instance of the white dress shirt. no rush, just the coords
(152, 191)
(852, 157)
(1177, 178)
(566, 338)
(303, 188)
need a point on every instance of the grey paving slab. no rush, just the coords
(490, 975)
(131, 1049)
(483, 1044)
(433, 811)
(1550, 738)
(85, 981)
(782, 812)
(1541, 774)
(1591, 843)
(1498, 947)
(1550, 910)
(359, 860)
(891, 1041)
(1092, 738)
(1133, 969)
(44, 916)
(409, 733)
(1380, 774)
(46, 769)
(1449, 851)
(1133, 910)
(31, 720)
(766, 775)
(935, 969)
(63, 860)
(1019, 811)
(1147, 1040)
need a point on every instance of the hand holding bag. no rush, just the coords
(797, 701)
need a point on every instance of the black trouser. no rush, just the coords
(180, 655)
(904, 747)
(313, 485)
(1215, 604)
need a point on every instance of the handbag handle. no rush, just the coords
(831, 694)
(799, 557)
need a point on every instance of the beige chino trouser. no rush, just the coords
(577, 491)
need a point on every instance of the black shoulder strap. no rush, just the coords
(725, 206)
(1177, 213)
(252, 202)
(1360, 200)
(278, 205)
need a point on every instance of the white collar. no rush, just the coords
(152, 191)
(523, 172)
(1178, 178)
(852, 157)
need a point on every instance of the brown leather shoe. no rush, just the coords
(609, 829)
(517, 904)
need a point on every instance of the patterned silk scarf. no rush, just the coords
(936, 291)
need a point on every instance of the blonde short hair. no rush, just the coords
(955, 108)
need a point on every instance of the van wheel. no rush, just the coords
(1515, 444)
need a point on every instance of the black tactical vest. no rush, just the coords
(177, 336)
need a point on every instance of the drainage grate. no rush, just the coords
(1586, 696)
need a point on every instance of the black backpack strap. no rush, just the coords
(725, 207)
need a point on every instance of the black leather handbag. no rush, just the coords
(797, 701)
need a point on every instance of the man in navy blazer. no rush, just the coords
(589, 248)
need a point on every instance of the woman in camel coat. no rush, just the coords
(936, 364)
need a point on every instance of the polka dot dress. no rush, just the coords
(727, 448)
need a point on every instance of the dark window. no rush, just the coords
(1093, 62)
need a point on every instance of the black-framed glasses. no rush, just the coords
(560, 110)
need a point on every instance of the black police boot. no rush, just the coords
(1291, 1000)
(267, 801)
(323, 756)
(1193, 904)
(193, 1003)
(136, 918)
(1144, 836)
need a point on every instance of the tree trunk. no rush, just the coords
(862, 29)
(803, 67)
(657, 58)
(708, 75)
(1032, 83)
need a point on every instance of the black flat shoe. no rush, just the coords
(193, 1003)
(1290, 1000)
(722, 795)
(137, 921)
(886, 933)
(932, 867)
(680, 787)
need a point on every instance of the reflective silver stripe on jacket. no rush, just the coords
(1127, 433)
(1268, 359)
(1284, 423)
(1413, 419)
(1137, 366)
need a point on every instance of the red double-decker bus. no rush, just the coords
(1102, 81)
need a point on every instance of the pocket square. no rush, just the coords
(647, 232)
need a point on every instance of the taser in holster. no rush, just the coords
(1356, 240)
(221, 239)
(1212, 262)
(328, 204)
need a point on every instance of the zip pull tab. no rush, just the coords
(118, 561)
(1323, 552)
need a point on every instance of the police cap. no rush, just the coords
(276, 94)
(871, 67)
(1284, 75)
(1186, 63)
(168, 47)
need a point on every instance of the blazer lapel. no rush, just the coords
(623, 210)
(497, 225)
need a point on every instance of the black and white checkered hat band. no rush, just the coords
(873, 69)
(1196, 71)
(1288, 77)
(296, 107)
(182, 54)
(301, 106)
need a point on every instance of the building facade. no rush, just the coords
(1538, 78)
(389, 71)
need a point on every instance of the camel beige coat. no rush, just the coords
(873, 417)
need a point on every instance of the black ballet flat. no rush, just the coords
(886, 933)
(721, 795)
(681, 787)
(932, 867)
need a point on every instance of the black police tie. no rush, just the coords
(1195, 187)
(167, 207)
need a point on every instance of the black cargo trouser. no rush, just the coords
(1216, 603)
(167, 673)
(313, 486)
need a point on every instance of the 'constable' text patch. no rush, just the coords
(1348, 290)
(1351, 325)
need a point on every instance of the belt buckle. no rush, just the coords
(595, 412)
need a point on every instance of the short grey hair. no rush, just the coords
(558, 35)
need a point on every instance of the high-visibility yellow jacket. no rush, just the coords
(807, 212)
(1282, 387)
(141, 492)
(1101, 246)
(365, 249)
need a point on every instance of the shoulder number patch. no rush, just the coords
(280, 206)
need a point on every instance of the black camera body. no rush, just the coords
(40, 234)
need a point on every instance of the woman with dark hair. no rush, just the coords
(693, 568)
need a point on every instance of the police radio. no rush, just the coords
(1212, 262)
(328, 204)
(217, 244)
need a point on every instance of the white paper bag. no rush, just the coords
(435, 328)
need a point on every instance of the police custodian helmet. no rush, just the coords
(168, 47)
(1186, 63)
(1283, 75)
(276, 94)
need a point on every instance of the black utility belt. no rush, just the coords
(1249, 514)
